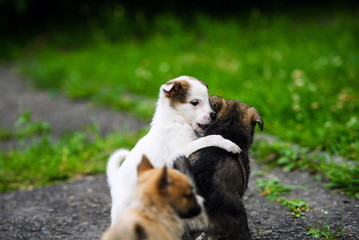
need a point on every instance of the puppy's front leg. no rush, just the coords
(212, 141)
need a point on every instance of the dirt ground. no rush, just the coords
(80, 209)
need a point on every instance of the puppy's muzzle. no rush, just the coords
(192, 212)
(196, 208)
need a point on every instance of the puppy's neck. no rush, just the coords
(166, 114)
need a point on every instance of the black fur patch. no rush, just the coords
(183, 165)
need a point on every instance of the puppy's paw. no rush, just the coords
(212, 141)
(226, 144)
(202, 236)
(219, 141)
(231, 146)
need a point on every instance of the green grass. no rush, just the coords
(322, 229)
(300, 73)
(25, 127)
(338, 175)
(48, 161)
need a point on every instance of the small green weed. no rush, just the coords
(297, 206)
(273, 190)
(323, 230)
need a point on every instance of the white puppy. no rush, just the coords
(181, 112)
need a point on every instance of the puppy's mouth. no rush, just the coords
(201, 127)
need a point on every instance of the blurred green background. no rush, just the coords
(297, 62)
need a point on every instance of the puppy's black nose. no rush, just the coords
(213, 115)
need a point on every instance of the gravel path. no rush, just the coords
(80, 209)
(17, 97)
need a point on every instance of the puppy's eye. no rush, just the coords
(214, 106)
(189, 195)
(194, 102)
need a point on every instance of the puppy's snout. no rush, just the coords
(213, 115)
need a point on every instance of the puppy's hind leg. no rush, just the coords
(212, 141)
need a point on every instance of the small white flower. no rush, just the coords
(337, 61)
(296, 107)
(353, 120)
(296, 97)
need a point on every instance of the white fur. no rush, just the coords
(172, 134)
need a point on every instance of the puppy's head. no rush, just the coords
(168, 187)
(189, 99)
(236, 117)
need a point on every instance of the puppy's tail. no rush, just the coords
(114, 163)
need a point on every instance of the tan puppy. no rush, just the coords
(162, 196)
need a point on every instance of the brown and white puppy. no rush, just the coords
(221, 178)
(162, 197)
(181, 112)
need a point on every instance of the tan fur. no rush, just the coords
(161, 195)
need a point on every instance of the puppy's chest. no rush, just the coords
(165, 146)
(163, 224)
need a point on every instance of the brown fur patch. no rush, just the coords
(178, 93)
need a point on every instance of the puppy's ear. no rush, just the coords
(216, 103)
(140, 232)
(164, 181)
(171, 88)
(144, 165)
(183, 165)
(256, 118)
